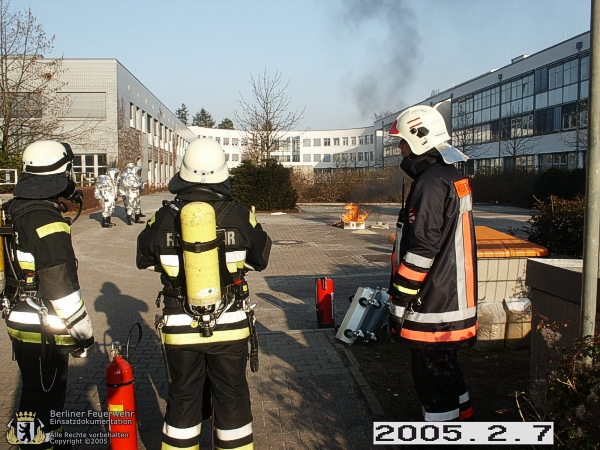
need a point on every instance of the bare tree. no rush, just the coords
(465, 136)
(128, 140)
(380, 115)
(516, 138)
(574, 134)
(265, 120)
(31, 102)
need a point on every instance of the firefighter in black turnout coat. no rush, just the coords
(195, 354)
(45, 314)
(434, 267)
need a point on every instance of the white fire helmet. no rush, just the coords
(129, 167)
(47, 158)
(204, 162)
(423, 128)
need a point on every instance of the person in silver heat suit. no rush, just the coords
(106, 191)
(130, 189)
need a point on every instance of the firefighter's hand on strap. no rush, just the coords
(403, 293)
(395, 324)
(85, 348)
(398, 310)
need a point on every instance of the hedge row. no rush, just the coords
(523, 188)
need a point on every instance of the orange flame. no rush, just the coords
(353, 214)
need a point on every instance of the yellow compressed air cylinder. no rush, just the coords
(198, 225)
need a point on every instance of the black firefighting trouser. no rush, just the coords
(440, 385)
(224, 363)
(44, 388)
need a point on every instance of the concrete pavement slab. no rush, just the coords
(307, 393)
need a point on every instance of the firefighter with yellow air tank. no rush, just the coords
(41, 301)
(203, 244)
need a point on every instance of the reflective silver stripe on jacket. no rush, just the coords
(170, 264)
(178, 320)
(234, 260)
(465, 206)
(67, 306)
(26, 260)
(451, 316)
(419, 261)
(33, 318)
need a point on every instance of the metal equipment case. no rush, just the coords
(367, 314)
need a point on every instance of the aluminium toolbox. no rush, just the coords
(367, 314)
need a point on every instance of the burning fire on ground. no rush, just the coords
(353, 214)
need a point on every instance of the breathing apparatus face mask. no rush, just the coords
(71, 192)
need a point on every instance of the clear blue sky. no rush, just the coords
(344, 59)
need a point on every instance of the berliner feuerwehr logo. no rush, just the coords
(24, 429)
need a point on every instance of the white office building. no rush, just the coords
(123, 119)
(314, 150)
(531, 113)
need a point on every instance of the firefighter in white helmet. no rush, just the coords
(434, 268)
(45, 314)
(130, 189)
(105, 190)
(209, 344)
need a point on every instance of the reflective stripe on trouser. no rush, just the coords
(224, 364)
(44, 388)
(440, 385)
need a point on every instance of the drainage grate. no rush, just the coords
(287, 242)
(377, 258)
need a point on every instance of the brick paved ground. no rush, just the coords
(308, 394)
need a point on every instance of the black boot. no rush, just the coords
(106, 222)
(129, 220)
(137, 218)
(141, 215)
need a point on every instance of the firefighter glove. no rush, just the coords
(84, 348)
(395, 322)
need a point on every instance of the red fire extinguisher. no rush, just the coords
(324, 302)
(121, 398)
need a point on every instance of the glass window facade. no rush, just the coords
(549, 99)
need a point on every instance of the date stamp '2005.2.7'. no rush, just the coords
(452, 433)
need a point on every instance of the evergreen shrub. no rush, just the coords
(559, 183)
(558, 226)
(351, 185)
(267, 187)
(506, 187)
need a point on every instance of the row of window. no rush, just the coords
(543, 121)
(316, 142)
(283, 144)
(73, 105)
(225, 140)
(91, 164)
(83, 105)
(144, 122)
(564, 161)
(327, 157)
(549, 86)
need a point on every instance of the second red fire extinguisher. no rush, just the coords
(121, 397)
(324, 302)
